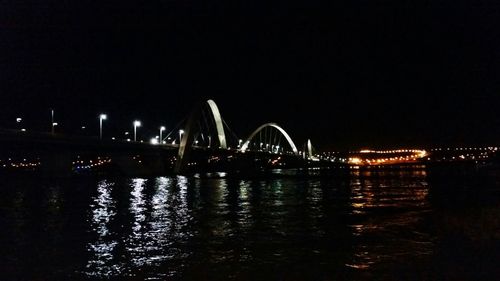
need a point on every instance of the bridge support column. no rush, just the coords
(186, 142)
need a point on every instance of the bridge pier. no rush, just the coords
(185, 143)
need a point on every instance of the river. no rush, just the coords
(373, 224)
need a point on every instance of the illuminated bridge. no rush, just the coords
(202, 141)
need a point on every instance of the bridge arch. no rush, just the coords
(245, 145)
(218, 123)
(187, 138)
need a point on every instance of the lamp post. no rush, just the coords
(180, 135)
(18, 121)
(52, 120)
(136, 124)
(162, 128)
(101, 117)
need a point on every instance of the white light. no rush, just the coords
(18, 120)
(154, 141)
(113, 138)
(181, 131)
(54, 124)
(103, 116)
(137, 123)
(83, 127)
(23, 130)
(162, 128)
(126, 133)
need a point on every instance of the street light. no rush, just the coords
(162, 128)
(52, 120)
(136, 124)
(101, 117)
(180, 135)
(54, 124)
(18, 121)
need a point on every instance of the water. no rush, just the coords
(373, 225)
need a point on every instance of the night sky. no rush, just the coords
(346, 74)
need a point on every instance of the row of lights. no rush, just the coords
(9, 163)
(136, 125)
(102, 117)
(492, 148)
(416, 154)
(392, 151)
(80, 164)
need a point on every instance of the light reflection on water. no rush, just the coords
(318, 228)
(245, 221)
(407, 193)
(103, 211)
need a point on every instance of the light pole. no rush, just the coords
(180, 135)
(52, 120)
(136, 124)
(162, 128)
(54, 124)
(101, 117)
(18, 121)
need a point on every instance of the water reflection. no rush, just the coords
(101, 263)
(137, 240)
(149, 231)
(385, 204)
(373, 224)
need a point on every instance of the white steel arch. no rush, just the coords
(218, 123)
(244, 147)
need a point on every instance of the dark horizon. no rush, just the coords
(345, 75)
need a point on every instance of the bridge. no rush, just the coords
(204, 142)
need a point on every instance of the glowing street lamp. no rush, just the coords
(54, 124)
(18, 121)
(162, 128)
(136, 124)
(101, 117)
(52, 120)
(180, 135)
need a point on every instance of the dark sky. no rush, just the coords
(347, 74)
